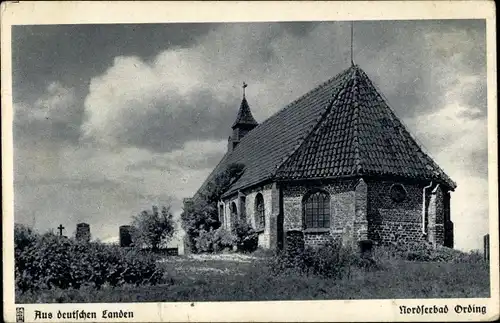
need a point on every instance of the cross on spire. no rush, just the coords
(244, 87)
(60, 228)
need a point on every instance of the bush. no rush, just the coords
(215, 240)
(247, 238)
(331, 260)
(244, 238)
(50, 261)
(425, 252)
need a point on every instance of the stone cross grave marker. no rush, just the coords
(60, 228)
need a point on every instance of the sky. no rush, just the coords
(112, 119)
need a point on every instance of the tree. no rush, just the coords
(152, 229)
(202, 214)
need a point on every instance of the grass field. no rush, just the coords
(235, 277)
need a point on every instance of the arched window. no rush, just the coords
(316, 208)
(234, 212)
(221, 214)
(260, 215)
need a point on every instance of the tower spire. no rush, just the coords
(244, 122)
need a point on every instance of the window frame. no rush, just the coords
(316, 211)
(234, 211)
(221, 214)
(260, 214)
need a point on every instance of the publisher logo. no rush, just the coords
(19, 314)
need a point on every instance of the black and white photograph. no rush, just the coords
(251, 161)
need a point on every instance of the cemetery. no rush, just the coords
(87, 271)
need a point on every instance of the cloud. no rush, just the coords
(193, 93)
(55, 116)
(158, 106)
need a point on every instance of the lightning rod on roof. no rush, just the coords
(352, 41)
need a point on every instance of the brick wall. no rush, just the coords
(390, 220)
(342, 210)
(359, 210)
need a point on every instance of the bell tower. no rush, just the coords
(243, 124)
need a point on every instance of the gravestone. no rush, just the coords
(125, 236)
(83, 232)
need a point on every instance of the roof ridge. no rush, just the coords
(407, 132)
(307, 94)
(209, 177)
(355, 99)
(319, 119)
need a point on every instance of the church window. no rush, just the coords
(259, 211)
(316, 209)
(398, 193)
(243, 203)
(221, 214)
(234, 212)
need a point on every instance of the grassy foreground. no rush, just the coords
(236, 277)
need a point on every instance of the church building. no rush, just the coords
(335, 163)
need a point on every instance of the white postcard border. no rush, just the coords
(158, 12)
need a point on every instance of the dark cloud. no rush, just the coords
(72, 54)
(203, 117)
(55, 117)
(170, 121)
(408, 60)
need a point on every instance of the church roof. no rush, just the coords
(342, 128)
(244, 115)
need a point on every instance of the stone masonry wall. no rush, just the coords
(266, 233)
(390, 220)
(359, 210)
(342, 210)
(436, 213)
(229, 221)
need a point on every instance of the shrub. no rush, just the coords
(153, 229)
(50, 261)
(215, 240)
(24, 236)
(224, 239)
(425, 252)
(247, 238)
(331, 260)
